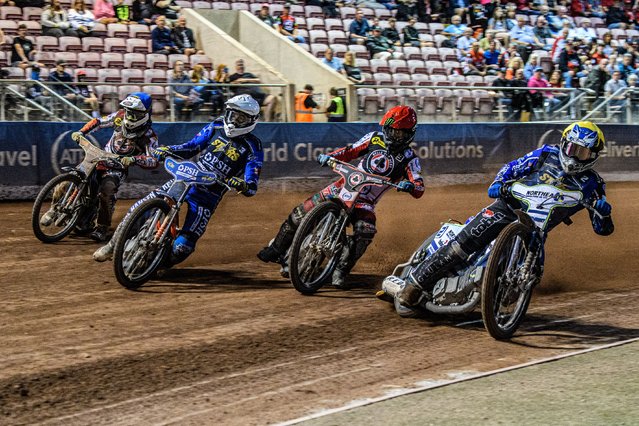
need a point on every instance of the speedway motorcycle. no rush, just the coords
(499, 279)
(150, 229)
(69, 201)
(322, 235)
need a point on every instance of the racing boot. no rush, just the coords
(390, 287)
(104, 253)
(339, 279)
(100, 233)
(47, 218)
(269, 254)
(426, 274)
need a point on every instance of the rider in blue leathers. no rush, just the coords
(568, 165)
(227, 147)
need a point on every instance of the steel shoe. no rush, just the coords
(104, 253)
(339, 279)
(47, 218)
(410, 294)
(269, 254)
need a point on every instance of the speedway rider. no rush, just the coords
(227, 148)
(568, 166)
(385, 153)
(132, 137)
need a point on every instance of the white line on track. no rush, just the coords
(438, 384)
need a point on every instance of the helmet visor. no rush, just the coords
(579, 152)
(133, 115)
(398, 136)
(238, 118)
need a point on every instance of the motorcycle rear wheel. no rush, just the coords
(504, 299)
(54, 198)
(135, 256)
(309, 267)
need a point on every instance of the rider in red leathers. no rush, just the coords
(386, 153)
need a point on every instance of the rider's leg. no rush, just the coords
(364, 231)
(107, 189)
(201, 206)
(277, 249)
(476, 235)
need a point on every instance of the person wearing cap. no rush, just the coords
(380, 47)
(304, 105)
(264, 15)
(627, 66)
(63, 80)
(618, 101)
(570, 64)
(585, 31)
(287, 26)
(537, 97)
(359, 28)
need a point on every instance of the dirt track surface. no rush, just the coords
(222, 339)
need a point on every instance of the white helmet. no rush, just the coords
(136, 114)
(242, 112)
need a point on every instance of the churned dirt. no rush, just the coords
(222, 339)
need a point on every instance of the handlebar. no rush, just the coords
(333, 162)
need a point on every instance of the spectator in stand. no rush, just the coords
(523, 37)
(511, 18)
(570, 64)
(55, 21)
(610, 89)
(478, 15)
(542, 33)
(626, 67)
(84, 95)
(197, 76)
(81, 19)
(531, 65)
(161, 38)
(411, 34)
(184, 96)
(380, 47)
(103, 12)
(515, 64)
(484, 43)
(559, 21)
(38, 93)
(264, 15)
(391, 32)
(559, 45)
(333, 61)
(596, 53)
(183, 38)
(217, 93)
(598, 77)
(63, 79)
(585, 31)
(142, 11)
(123, 12)
(475, 63)
(7, 3)
(3, 73)
(465, 42)
(633, 95)
(538, 97)
(498, 21)
(610, 45)
(167, 8)
(359, 28)
(491, 57)
(22, 50)
(329, 7)
(521, 104)
(266, 101)
(453, 31)
(287, 26)
(502, 97)
(616, 17)
(405, 9)
(353, 73)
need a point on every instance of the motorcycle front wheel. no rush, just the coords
(505, 296)
(311, 263)
(139, 250)
(57, 208)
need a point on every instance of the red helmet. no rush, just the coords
(399, 125)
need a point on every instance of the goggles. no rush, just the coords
(134, 115)
(398, 135)
(238, 118)
(579, 152)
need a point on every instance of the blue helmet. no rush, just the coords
(137, 114)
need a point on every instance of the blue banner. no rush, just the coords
(32, 153)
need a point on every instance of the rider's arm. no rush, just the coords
(522, 166)
(601, 225)
(199, 141)
(147, 160)
(359, 148)
(253, 167)
(100, 123)
(413, 173)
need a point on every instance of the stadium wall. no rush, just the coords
(32, 154)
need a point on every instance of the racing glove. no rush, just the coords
(323, 159)
(127, 161)
(161, 152)
(494, 190)
(405, 186)
(238, 184)
(603, 207)
(77, 136)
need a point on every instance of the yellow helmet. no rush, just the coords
(581, 143)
